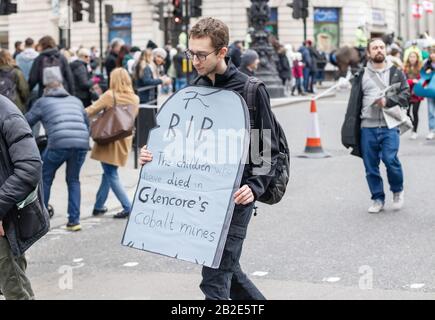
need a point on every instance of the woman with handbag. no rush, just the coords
(114, 154)
(412, 70)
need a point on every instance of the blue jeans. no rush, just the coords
(74, 158)
(180, 83)
(109, 181)
(431, 111)
(377, 144)
(307, 72)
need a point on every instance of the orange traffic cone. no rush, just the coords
(313, 147)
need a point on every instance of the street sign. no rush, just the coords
(184, 202)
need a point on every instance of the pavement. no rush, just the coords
(318, 243)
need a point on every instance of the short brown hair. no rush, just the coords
(47, 42)
(215, 29)
(373, 40)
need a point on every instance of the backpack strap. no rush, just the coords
(250, 95)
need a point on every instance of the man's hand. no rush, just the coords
(244, 195)
(2, 231)
(382, 102)
(145, 156)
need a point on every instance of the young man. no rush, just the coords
(20, 173)
(365, 129)
(208, 47)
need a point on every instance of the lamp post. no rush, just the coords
(259, 15)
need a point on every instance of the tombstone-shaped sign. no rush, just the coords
(184, 200)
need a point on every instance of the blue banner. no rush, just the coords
(326, 15)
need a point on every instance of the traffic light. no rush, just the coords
(7, 7)
(77, 8)
(178, 11)
(158, 15)
(89, 6)
(300, 9)
(196, 8)
(108, 9)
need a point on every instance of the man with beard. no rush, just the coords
(365, 129)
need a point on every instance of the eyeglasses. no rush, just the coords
(201, 56)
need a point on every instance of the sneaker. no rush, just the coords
(398, 200)
(99, 212)
(377, 206)
(121, 215)
(73, 227)
(414, 136)
(430, 136)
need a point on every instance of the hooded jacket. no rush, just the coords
(25, 61)
(21, 89)
(36, 74)
(351, 129)
(63, 118)
(233, 79)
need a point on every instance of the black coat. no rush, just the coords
(20, 173)
(82, 80)
(235, 80)
(351, 129)
(110, 64)
(35, 76)
(283, 66)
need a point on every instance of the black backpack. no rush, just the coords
(8, 84)
(52, 62)
(276, 189)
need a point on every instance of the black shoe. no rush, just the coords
(121, 215)
(97, 212)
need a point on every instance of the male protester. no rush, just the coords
(208, 47)
(20, 174)
(365, 129)
(25, 58)
(110, 63)
(49, 58)
(18, 49)
(249, 63)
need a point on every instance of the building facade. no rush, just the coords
(331, 23)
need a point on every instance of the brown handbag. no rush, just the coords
(113, 123)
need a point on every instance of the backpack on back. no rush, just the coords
(277, 187)
(51, 69)
(8, 84)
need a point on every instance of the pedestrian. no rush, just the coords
(208, 48)
(114, 154)
(180, 64)
(123, 56)
(83, 81)
(26, 58)
(18, 49)
(298, 74)
(429, 71)
(20, 175)
(49, 58)
(12, 81)
(365, 129)
(235, 52)
(112, 58)
(159, 60)
(308, 65)
(145, 77)
(283, 66)
(249, 62)
(66, 126)
(412, 70)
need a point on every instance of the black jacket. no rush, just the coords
(283, 66)
(35, 76)
(235, 80)
(350, 131)
(20, 173)
(110, 64)
(82, 80)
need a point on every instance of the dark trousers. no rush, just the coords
(414, 108)
(229, 281)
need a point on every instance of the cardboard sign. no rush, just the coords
(184, 201)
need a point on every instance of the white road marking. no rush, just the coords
(131, 264)
(260, 273)
(331, 279)
(417, 285)
(78, 260)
